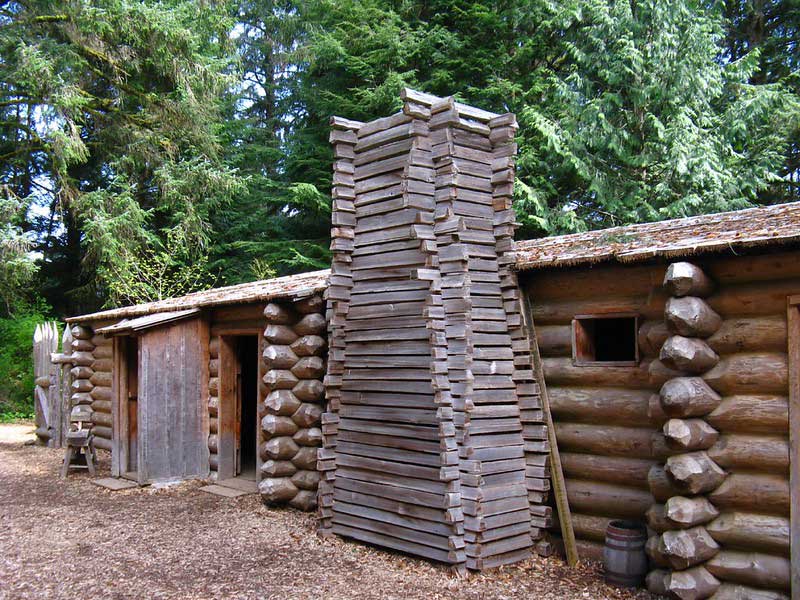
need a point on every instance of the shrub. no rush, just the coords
(16, 365)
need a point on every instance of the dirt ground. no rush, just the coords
(68, 539)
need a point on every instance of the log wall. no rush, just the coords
(616, 439)
(102, 362)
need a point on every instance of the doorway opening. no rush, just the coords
(130, 356)
(238, 426)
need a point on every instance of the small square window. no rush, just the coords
(605, 339)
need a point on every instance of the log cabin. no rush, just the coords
(652, 367)
(670, 359)
(218, 384)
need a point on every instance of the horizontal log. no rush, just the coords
(733, 591)
(752, 373)
(616, 406)
(751, 414)
(608, 469)
(689, 434)
(689, 355)
(688, 397)
(695, 472)
(101, 393)
(102, 406)
(752, 568)
(278, 314)
(102, 443)
(605, 440)
(689, 512)
(685, 279)
(652, 335)
(749, 531)
(647, 305)
(691, 584)
(661, 486)
(101, 378)
(315, 303)
(554, 340)
(105, 365)
(754, 299)
(760, 453)
(659, 373)
(102, 431)
(239, 312)
(732, 270)
(567, 284)
(750, 334)
(103, 352)
(562, 372)
(753, 493)
(691, 317)
(685, 548)
(605, 499)
(99, 418)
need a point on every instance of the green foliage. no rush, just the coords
(16, 266)
(16, 364)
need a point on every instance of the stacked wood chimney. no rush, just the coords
(433, 411)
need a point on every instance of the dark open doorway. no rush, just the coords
(238, 409)
(247, 351)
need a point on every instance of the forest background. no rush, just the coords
(149, 149)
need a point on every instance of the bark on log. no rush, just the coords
(312, 304)
(686, 279)
(688, 397)
(311, 324)
(691, 317)
(695, 472)
(652, 335)
(693, 584)
(685, 548)
(305, 458)
(309, 345)
(752, 452)
(278, 426)
(608, 469)
(279, 357)
(748, 531)
(689, 512)
(280, 448)
(309, 390)
(690, 355)
(307, 415)
(661, 486)
(768, 494)
(752, 414)
(616, 406)
(278, 314)
(754, 373)
(690, 434)
(308, 437)
(280, 334)
(605, 440)
(750, 334)
(309, 367)
(282, 402)
(732, 591)
(752, 568)
(277, 490)
(589, 497)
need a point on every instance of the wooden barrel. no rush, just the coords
(623, 556)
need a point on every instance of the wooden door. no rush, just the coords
(132, 402)
(238, 433)
(172, 402)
